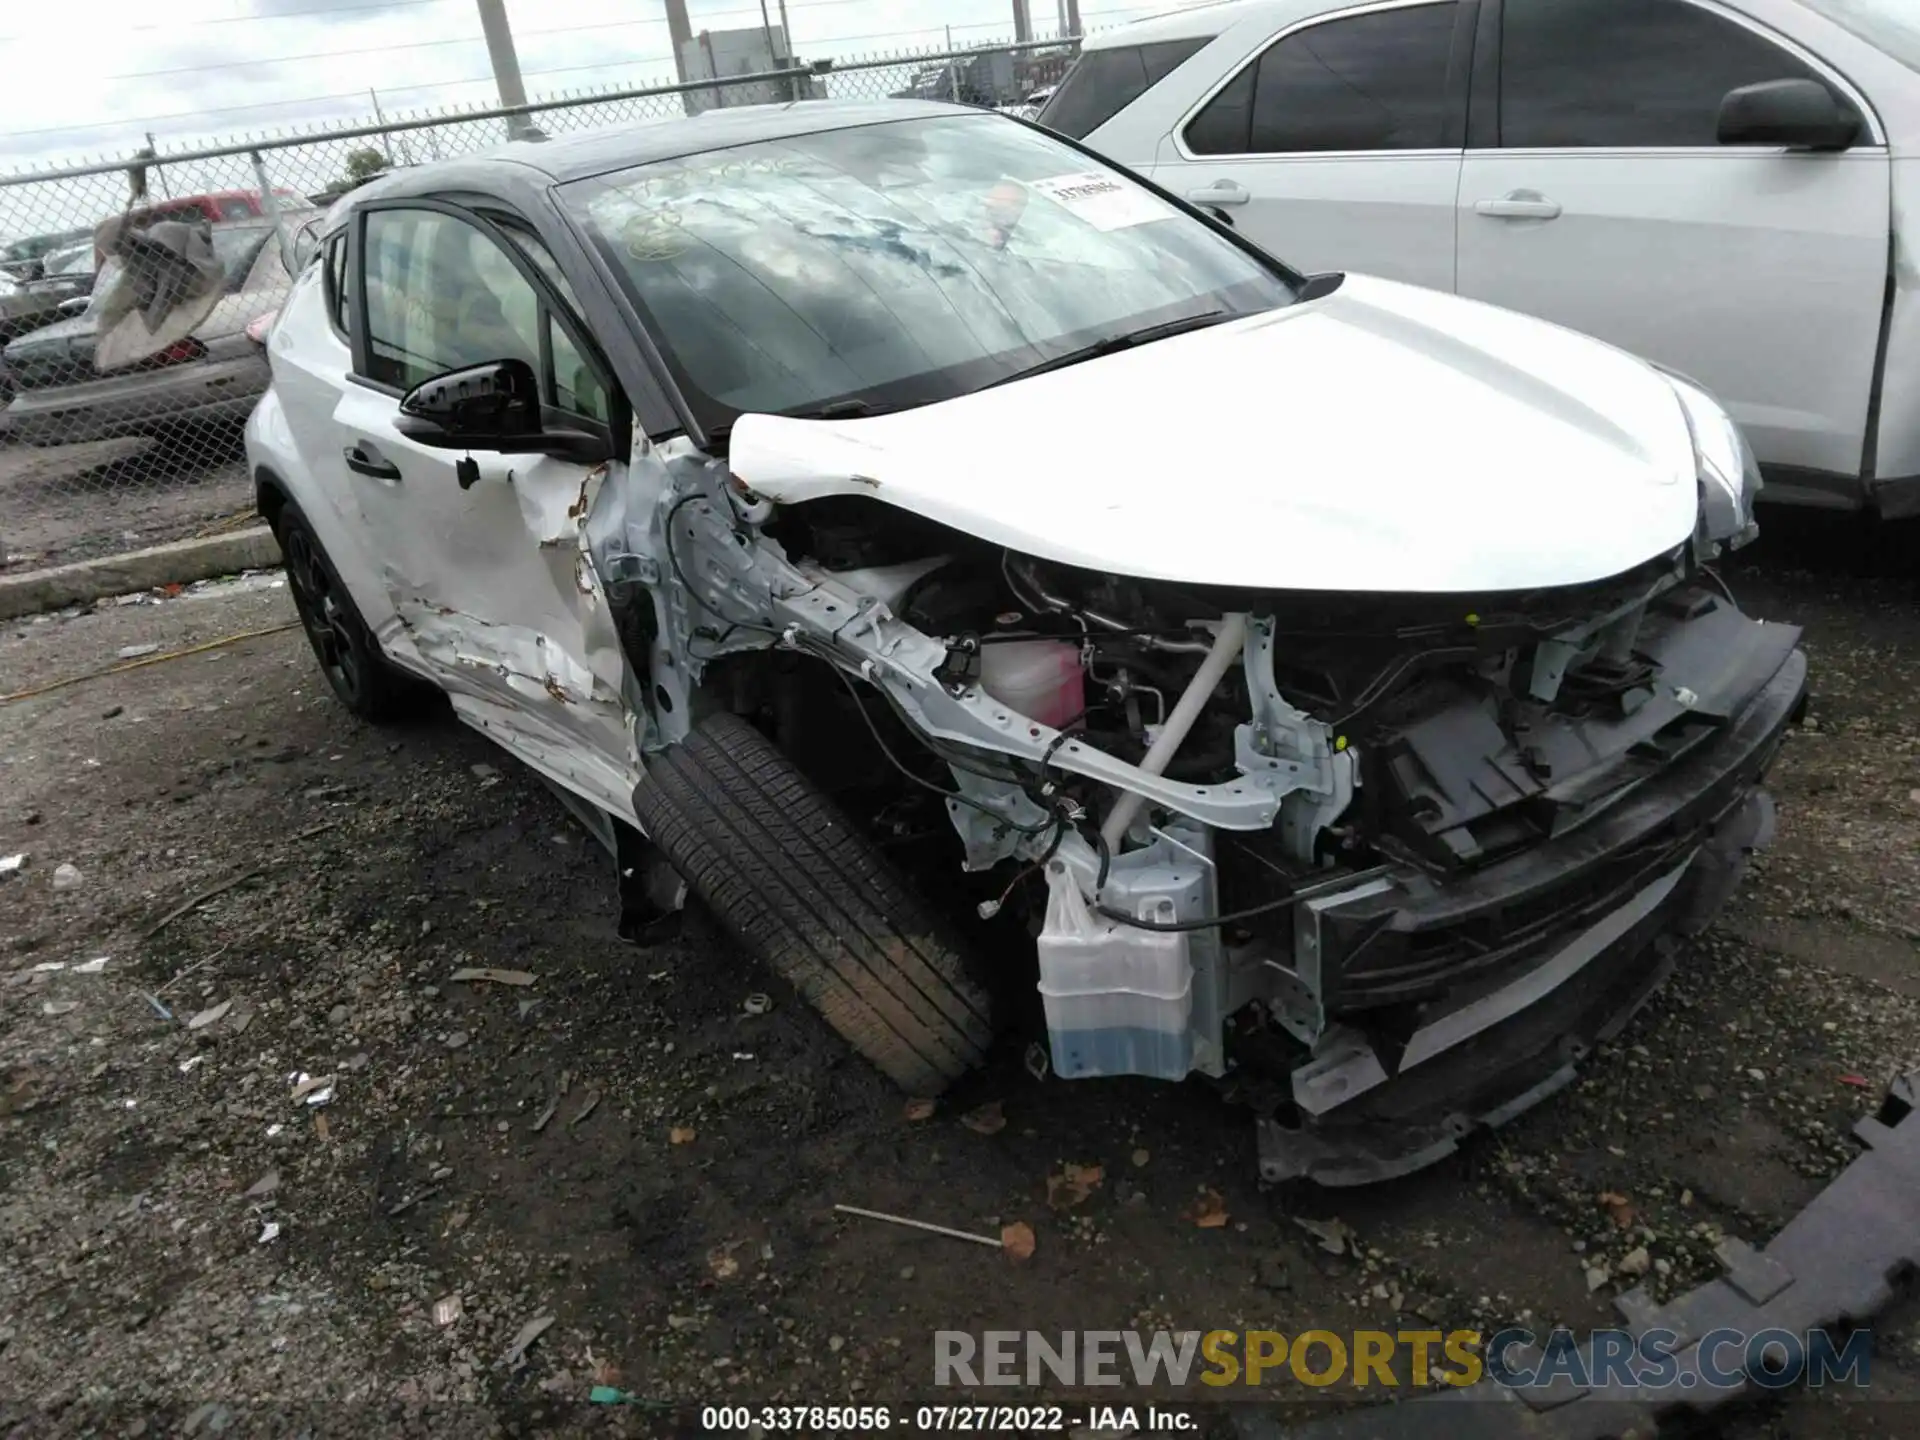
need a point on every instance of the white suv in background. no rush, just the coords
(1724, 189)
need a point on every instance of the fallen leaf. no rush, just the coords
(1073, 1185)
(1209, 1212)
(682, 1135)
(1017, 1240)
(498, 977)
(985, 1120)
(1620, 1207)
(918, 1110)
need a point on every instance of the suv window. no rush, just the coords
(1637, 73)
(1367, 82)
(440, 295)
(1102, 83)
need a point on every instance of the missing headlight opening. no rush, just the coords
(1383, 867)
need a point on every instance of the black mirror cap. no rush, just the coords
(1799, 114)
(481, 407)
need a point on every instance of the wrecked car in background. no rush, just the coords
(1321, 683)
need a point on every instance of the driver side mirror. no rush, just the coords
(1799, 114)
(492, 407)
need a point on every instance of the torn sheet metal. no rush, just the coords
(158, 283)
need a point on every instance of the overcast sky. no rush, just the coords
(205, 70)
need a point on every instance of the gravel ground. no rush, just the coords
(622, 1146)
(74, 502)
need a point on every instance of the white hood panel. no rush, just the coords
(1386, 438)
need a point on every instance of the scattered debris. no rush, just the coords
(59, 1007)
(134, 652)
(546, 1114)
(986, 1119)
(917, 1225)
(918, 1110)
(446, 1311)
(1335, 1236)
(159, 1009)
(1036, 1061)
(1140, 1158)
(47, 967)
(608, 1395)
(681, 1135)
(587, 1107)
(1016, 1240)
(263, 1187)
(1073, 1184)
(306, 1086)
(1636, 1261)
(194, 901)
(400, 1207)
(516, 1355)
(11, 863)
(1209, 1211)
(496, 977)
(720, 1260)
(1596, 1277)
(1620, 1207)
(484, 772)
(1859, 1082)
(65, 876)
(113, 712)
(757, 1003)
(91, 967)
(458, 1040)
(192, 1062)
(269, 1232)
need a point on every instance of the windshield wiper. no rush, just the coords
(1113, 344)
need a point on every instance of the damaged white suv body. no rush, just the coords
(973, 572)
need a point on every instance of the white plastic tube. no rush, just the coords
(1227, 646)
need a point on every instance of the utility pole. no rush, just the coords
(1022, 23)
(680, 34)
(1073, 17)
(506, 64)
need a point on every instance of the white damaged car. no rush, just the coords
(969, 569)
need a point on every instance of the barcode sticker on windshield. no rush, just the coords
(1102, 201)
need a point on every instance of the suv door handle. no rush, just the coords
(363, 459)
(1221, 192)
(1520, 205)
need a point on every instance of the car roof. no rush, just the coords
(595, 152)
(1206, 21)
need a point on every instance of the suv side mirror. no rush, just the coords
(1800, 114)
(493, 407)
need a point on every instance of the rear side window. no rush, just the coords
(1369, 82)
(1626, 73)
(1102, 83)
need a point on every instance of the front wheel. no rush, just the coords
(793, 881)
(349, 656)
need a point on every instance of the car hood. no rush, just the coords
(1383, 438)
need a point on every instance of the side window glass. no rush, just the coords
(1370, 82)
(1102, 83)
(1625, 73)
(440, 295)
(1225, 125)
(576, 386)
(339, 305)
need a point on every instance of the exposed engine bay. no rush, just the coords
(1385, 866)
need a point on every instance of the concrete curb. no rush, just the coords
(175, 564)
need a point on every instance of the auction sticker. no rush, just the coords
(1102, 201)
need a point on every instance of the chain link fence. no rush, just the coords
(97, 457)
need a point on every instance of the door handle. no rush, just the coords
(363, 459)
(1521, 205)
(1221, 192)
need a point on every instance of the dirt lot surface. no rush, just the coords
(623, 1147)
(73, 502)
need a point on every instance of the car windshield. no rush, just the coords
(899, 263)
(1889, 25)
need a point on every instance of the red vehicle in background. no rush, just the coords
(213, 206)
